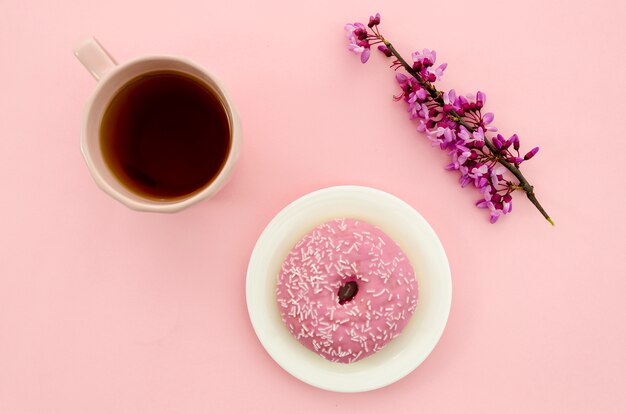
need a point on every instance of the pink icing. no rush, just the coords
(328, 257)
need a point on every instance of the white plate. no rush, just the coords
(416, 238)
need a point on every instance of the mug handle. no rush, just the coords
(94, 57)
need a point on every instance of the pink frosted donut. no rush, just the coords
(346, 290)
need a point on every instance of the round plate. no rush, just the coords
(416, 238)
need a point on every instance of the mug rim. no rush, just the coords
(146, 204)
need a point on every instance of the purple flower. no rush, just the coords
(407, 84)
(460, 154)
(426, 58)
(465, 135)
(487, 202)
(355, 31)
(478, 173)
(435, 135)
(487, 119)
(417, 95)
(423, 63)
(479, 135)
(422, 127)
(474, 102)
(494, 215)
(357, 34)
(453, 102)
(420, 94)
(464, 180)
(449, 136)
(439, 71)
(449, 98)
(482, 203)
(497, 174)
(442, 136)
(365, 55)
(402, 79)
(474, 137)
(362, 49)
(423, 113)
(507, 207)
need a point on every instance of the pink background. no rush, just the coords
(105, 310)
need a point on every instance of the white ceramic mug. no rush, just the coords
(111, 77)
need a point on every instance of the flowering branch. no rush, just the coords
(455, 124)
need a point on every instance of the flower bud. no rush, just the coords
(497, 141)
(515, 140)
(374, 20)
(385, 50)
(531, 153)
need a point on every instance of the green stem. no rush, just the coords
(438, 98)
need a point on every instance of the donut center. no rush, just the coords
(347, 292)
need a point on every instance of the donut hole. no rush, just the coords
(347, 291)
